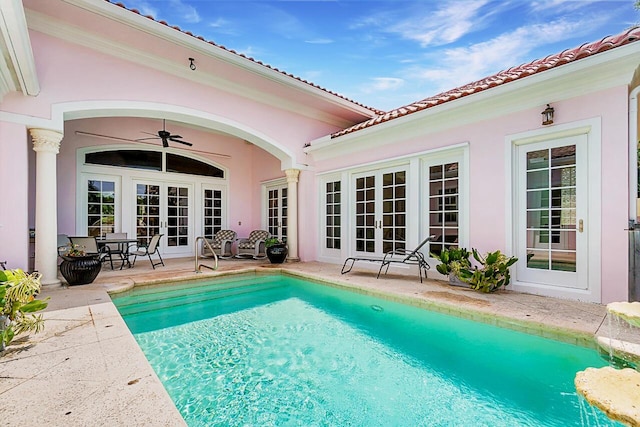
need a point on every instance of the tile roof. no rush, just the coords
(503, 77)
(189, 33)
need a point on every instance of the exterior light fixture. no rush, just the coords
(191, 64)
(547, 115)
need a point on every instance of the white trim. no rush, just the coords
(396, 160)
(17, 45)
(127, 177)
(265, 186)
(592, 129)
(633, 153)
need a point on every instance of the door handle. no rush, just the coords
(581, 226)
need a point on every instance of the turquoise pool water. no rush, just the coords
(280, 351)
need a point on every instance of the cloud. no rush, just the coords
(223, 26)
(187, 12)
(319, 41)
(378, 84)
(457, 66)
(144, 8)
(445, 23)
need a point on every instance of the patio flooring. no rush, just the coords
(85, 368)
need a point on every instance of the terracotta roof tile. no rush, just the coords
(175, 27)
(503, 77)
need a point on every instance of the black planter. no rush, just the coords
(80, 270)
(277, 253)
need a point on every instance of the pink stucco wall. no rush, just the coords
(14, 188)
(487, 192)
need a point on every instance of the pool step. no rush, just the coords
(144, 302)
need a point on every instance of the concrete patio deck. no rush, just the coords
(85, 368)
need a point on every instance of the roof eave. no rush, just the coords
(620, 64)
(198, 44)
(20, 70)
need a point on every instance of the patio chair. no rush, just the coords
(397, 256)
(150, 249)
(90, 246)
(254, 245)
(119, 249)
(221, 244)
(63, 243)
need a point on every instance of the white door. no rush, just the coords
(165, 208)
(552, 213)
(277, 204)
(380, 222)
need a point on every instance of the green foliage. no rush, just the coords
(73, 249)
(492, 274)
(271, 241)
(452, 260)
(18, 291)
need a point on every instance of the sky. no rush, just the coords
(386, 54)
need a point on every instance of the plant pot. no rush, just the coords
(277, 253)
(455, 281)
(80, 270)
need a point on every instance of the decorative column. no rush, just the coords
(46, 144)
(292, 213)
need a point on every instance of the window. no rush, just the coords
(332, 215)
(136, 159)
(181, 164)
(152, 160)
(101, 197)
(444, 206)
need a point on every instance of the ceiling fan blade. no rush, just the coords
(146, 139)
(174, 136)
(149, 133)
(181, 142)
(165, 143)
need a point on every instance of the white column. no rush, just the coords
(292, 213)
(46, 144)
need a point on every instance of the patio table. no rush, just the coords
(123, 247)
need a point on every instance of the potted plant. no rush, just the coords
(18, 303)
(276, 250)
(452, 261)
(78, 267)
(493, 272)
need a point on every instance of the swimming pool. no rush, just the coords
(277, 350)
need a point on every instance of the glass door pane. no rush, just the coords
(552, 213)
(177, 216)
(147, 211)
(365, 214)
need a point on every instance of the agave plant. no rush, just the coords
(493, 273)
(18, 302)
(452, 260)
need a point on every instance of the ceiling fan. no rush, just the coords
(165, 137)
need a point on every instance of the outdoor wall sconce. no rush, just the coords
(547, 115)
(191, 64)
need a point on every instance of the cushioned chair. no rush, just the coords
(151, 249)
(221, 244)
(63, 243)
(254, 245)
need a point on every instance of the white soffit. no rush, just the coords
(17, 66)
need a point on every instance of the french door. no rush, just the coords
(380, 211)
(277, 205)
(165, 208)
(552, 212)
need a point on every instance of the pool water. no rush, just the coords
(277, 351)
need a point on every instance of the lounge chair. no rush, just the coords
(221, 244)
(150, 249)
(254, 245)
(397, 256)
